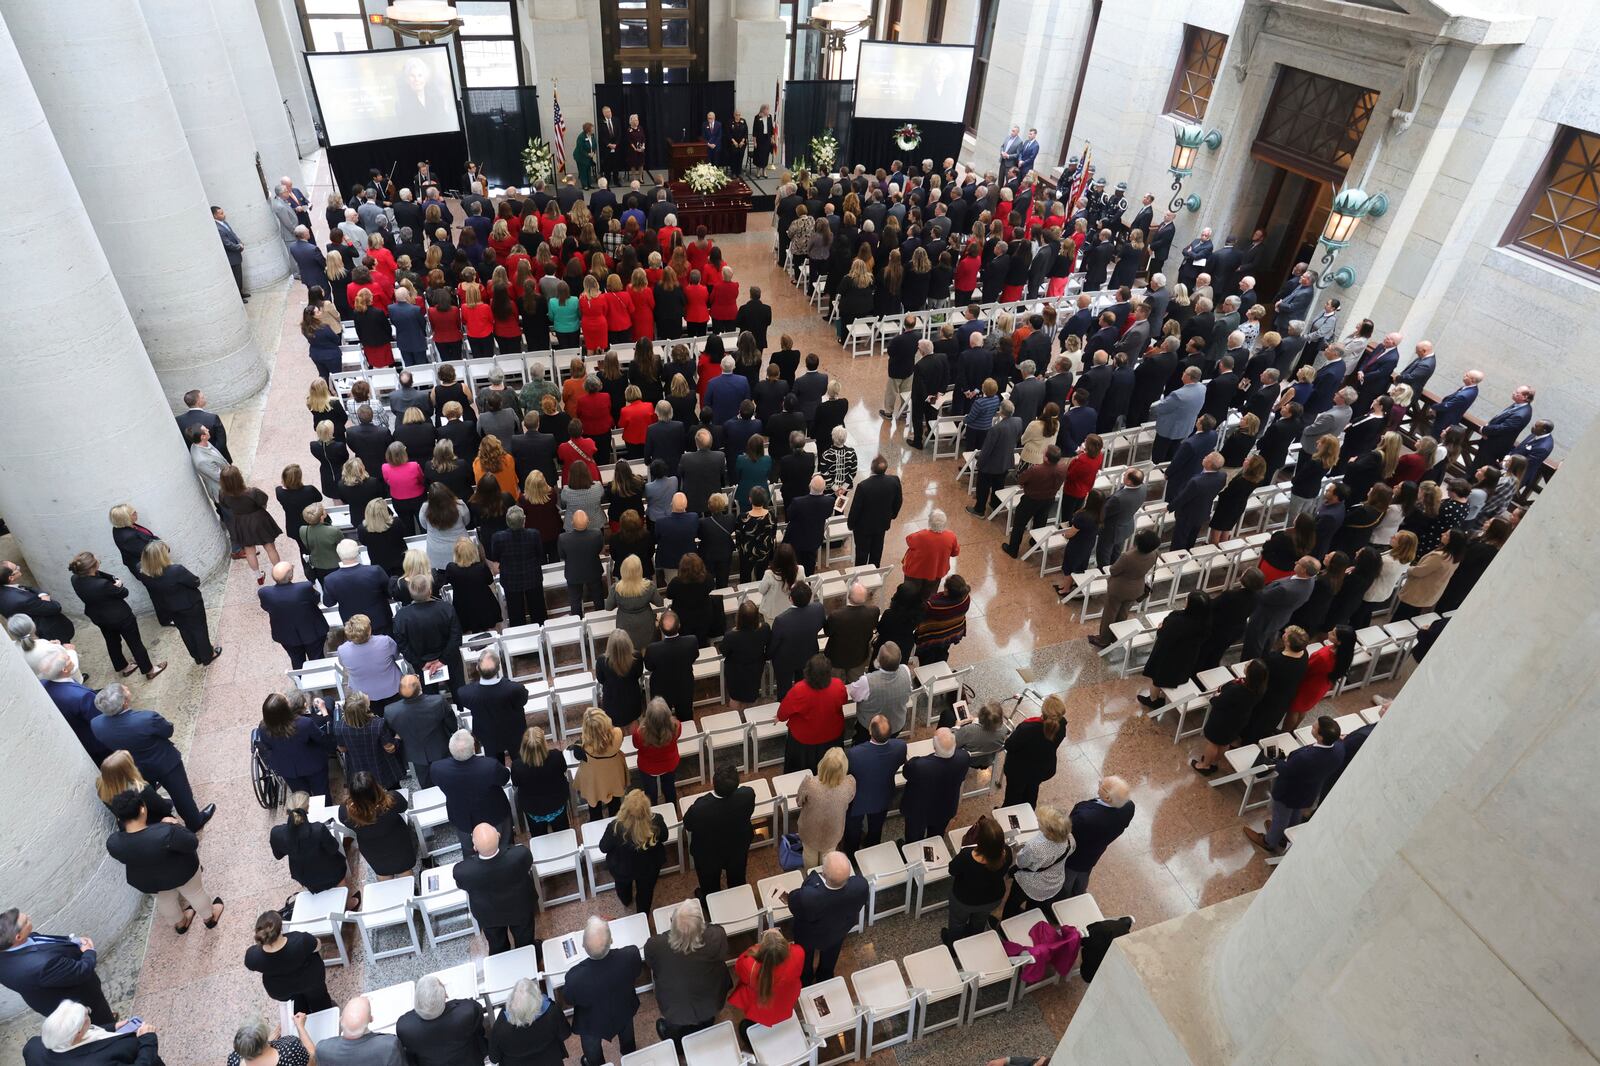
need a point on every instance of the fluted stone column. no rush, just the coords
(200, 78)
(53, 863)
(130, 161)
(68, 335)
(1441, 906)
(283, 42)
(258, 87)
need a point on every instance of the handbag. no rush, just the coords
(791, 853)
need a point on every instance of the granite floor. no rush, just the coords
(1184, 849)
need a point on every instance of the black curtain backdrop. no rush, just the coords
(499, 123)
(872, 143)
(667, 113)
(446, 154)
(809, 108)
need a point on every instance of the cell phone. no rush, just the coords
(927, 853)
(1015, 824)
(131, 1025)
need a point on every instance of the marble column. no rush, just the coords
(558, 32)
(87, 427)
(1441, 906)
(130, 161)
(200, 79)
(54, 864)
(264, 99)
(283, 42)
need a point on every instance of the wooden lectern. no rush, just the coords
(684, 154)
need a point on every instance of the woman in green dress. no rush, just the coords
(584, 154)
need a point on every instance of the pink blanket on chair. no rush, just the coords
(1053, 948)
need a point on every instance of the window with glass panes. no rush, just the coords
(1197, 71)
(1559, 220)
(334, 25)
(657, 41)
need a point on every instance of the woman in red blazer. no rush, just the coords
(696, 306)
(768, 977)
(478, 319)
(966, 279)
(619, 313)
(725, 302)
(592, 316)
(445, 322)
(642, 305)
(594, 411)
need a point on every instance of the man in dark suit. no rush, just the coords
(811, 387)
(423, 722)
(1225, 335)
(602, 198)
(1501, 431)
(755, 318)
(1196, 257)
(1419, 370)
(664, 439)
(1120, 516)
(600, 990)
(357, 588)
(794, 636)
(1276, 605)
(929, 378)
(677, 534)
(1375, 370)
(1191, 507)
(1299, 783)
(807, 518)
(781, 426)
(718, 824)
(75, 701)
(670, 662)
(1221, 390)
(1077, 422)
(1224, 269)
(1325, 386)
(874, 505)
(1185, 462)
(1453, 408)
(1536, 447)
(1150, 376)
(368, 441)
(310, 264)
(1105, 336)
(826, 907)
(873, 765)
(70, 1030)
(47, 970)
(295, 615)
(147, 736)
(17, 598)
(440, 1031)
(531, 450)
(933, 787)
(497, 705)
(197, 415)
(233, 248)
(579, 551)
(463, 435)
(1264, 397)
(1096, 379)
(1095, 824)
(500, 891)
(1161, 242)
(702, 472)
(474, 788)
(793, 472)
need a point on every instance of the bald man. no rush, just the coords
(295, 612)
(677, 535)
(933, 787)
(500, 890)
(826, 907)
(356, 1044)
(579, 551)
(807, 518)
(1095, 824)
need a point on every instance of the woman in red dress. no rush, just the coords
(697, 305)
(619, 313)
(642, 303)
(592, 315)
(1325, 668)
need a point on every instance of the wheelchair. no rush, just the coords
(270, 789)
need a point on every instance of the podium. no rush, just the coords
(682, 155)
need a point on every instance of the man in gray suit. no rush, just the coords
(1175, 414)
(1332, 421)
(1119, 517)
(996, 457)
(1137, 339)
(1156, 299)
(1225, 323)
(1276, 605)
(423, 721)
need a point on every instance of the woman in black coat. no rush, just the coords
(1286, 666)
(1358, 578)
(1177, 647)
(105, 602)
(1231, 502)
(316, 860)
(331, 455)
(531, 1031)
(290, 965)
(1031, 752)
(619, 671)
(744, 655)
(1231, 709)
(175, 591)
(378, 819)
(539, 774)
(1230, 613)
(717, 540)
(1475, 559)
(689, 594)
(1313, 614)
(294, 496)
(162, 859)
(472, 590)
(899, 620)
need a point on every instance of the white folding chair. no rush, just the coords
(439, 899)
(501, 973)
(735, 909)
(660, 1053)
(321, 914)
(557, 855)
(386, 905)
(784, 1044)
(929, 863)
(593, 857)
(984, 957)
(881, 990)
(935, 979)
(828, 1012)
(1015, 929)
(716, 1046)
(885, 870)
(323, 1025)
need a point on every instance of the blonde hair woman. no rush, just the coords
(540, 777)
(119, 774)
(635, 847)
(602, 775)
(1042, 862)
(1031, 752)
(823, 800)
(175, 592)
(635, 598)
(324, 408)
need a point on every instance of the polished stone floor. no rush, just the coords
(1184, 849)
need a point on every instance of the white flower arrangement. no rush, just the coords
(824, 150)
(539, 162)
(705, 178)
(908, 136)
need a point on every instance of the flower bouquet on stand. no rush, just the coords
(824, 151)
(539, 162)
(907, 136)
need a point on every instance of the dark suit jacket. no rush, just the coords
(456, 1036)
(1094, 827)
(756, 317)
(199, 416)
(295, 613)
(601, 992)
(124, 1049)
(933, 785)
(719, 826)
(875, 504)
(1185, 462)
(794, 637)
(1302, 774)
(48, 969)
(46, 614)
(1453, 408)
(701, 473)
(474, 790)
(808, 520)
(424, 724)
(873, 766)
(810, 388)
(175, 590)
(671, 665)
(76, 704)
(458, 431)
(360, 589)
(824, 916)
(1220, 392)
(500, 889)
(145, 735)
(534, 451)
(368, 443)
(1324, 387)
(104, 601)
(1193, 502)
(498, 719)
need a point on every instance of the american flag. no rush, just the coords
(1080, 184)
(561, 135)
